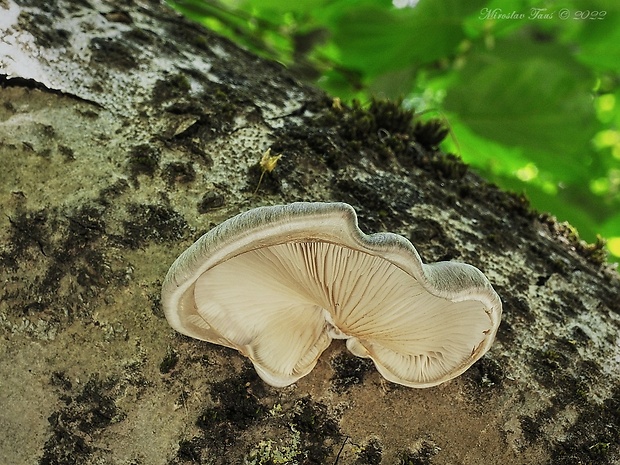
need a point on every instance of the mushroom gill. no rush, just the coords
(279, 283)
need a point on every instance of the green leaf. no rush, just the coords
(530, 95)
(599, 41)
(490, 157)
(573, 202)
(611, 227)
(377, 39)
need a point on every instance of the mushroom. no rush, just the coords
(278, 283)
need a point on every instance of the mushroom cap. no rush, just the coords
(278, 283)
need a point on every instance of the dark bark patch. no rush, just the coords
(199, 119)
(237, 408)
(155, 223)
(118, 16)
(349, 371)
(65, 253)
(317, 143)
(515, 308)
(319, 430)
(75, 426)
(210, 201)
(532, 428)
(66, 152)
(378, 209)
(110, 193)
(141, 36)
(237, 400)
(112, 53)
(242, 412)
(485, 376)
(169, 362)
(28, 239)
(431, 241)
(370, 453)
(44, 32)
(594, 437)
(559, 368)
(184, 32)
(174, 87)
(422, 455)
(143, 159)
(178, 173)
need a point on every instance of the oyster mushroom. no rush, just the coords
(279, 283)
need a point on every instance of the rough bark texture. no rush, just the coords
(126, 133)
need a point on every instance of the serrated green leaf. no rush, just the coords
(599, 41)
(283, 6)
(611, 227)
(529, 95)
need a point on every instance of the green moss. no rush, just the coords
(179, 82)
(595, 253)
(429, 133)
(390, 115)
(388, 129)
(270, 452)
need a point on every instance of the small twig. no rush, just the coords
(341, 449)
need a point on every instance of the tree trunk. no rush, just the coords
(126, 133)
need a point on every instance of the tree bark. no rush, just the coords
(126, 132)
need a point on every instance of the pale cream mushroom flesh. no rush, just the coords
(279, 283)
